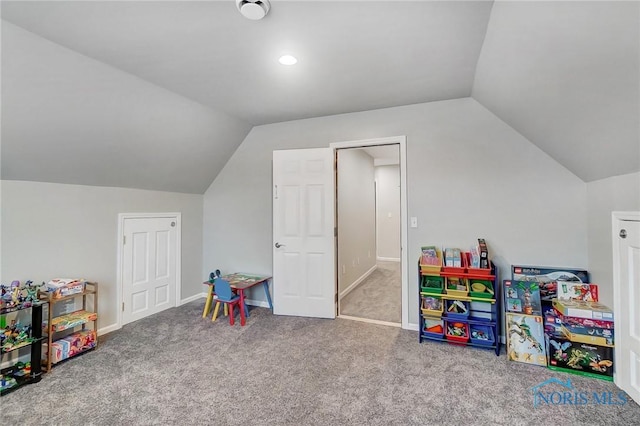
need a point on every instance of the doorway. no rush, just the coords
(626, 299)
(148, 264)
(371, 231)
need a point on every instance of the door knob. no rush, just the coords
(278, 245)
(623, 233)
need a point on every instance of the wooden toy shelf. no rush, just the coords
(70, 330)
(14, 377)
(478, 323)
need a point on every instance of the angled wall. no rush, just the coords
(67, 118)
(469, 175)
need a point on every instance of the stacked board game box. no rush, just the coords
(581, 340)
(524, 325)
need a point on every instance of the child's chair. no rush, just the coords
(223, 294)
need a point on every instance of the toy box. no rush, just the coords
(432, 306)
(580, 309)
(522, 297)
(590, 335)
(551, 319)
(587, 322)
(72, 345)
(61, 287)
(580, 358)
(577, 291)
(548, 277)
(71, 320)
(525, 339)
(432, 284)
(457, 309)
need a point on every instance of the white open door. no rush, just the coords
(303, 233)
(626, 292)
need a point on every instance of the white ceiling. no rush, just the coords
(352, 56)
(564, 74)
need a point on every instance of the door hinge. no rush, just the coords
(124, 239)
(122, 306)
(335, 231)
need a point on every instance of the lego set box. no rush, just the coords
(548, 278)
(579, 358)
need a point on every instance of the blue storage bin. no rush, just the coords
(457, 309)
(487, 331)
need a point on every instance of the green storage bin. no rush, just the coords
(487, 293)
(432, 284)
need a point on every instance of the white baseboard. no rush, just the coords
(413, 327)
(370, 321)
(388, 259)
(192, 298)
(358, 281)
(108, 329)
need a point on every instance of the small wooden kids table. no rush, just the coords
(239, 281)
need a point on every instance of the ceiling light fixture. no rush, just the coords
(287, 60)
(253, 9)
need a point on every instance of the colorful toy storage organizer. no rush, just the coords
(458, 304)
(21, 341)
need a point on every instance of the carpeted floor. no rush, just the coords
(176, 368)
(378, 297)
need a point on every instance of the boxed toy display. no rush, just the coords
(61, 287)
(525, 339)
(580, 358)
(548, 278)
(522, 297)
(72, 345)
(580, 309)
(577, 291)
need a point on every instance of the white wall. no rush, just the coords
(356, 217)
(388, 212)
(56, 230)
(469, 175)
(619, 193)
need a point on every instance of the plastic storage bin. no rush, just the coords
(457, 332)
(457, 309)
(482, 289)
(431, 284)
(432, 306)
(481, 335)
(457, 287)
(433, 328)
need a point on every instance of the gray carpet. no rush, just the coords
(378, 297)
(175, 368)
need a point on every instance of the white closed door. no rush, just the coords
(303, 233)
(627, 306)
(149, 266)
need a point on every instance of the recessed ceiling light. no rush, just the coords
(287, 60)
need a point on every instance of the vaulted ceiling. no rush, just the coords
(564, 74)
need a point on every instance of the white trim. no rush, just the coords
(108, 329)
(402, 141)
(388, 259)
(192, 298)
(370, 321)
(357, 282)
(616, 218)
(412, 326)
(120, 253)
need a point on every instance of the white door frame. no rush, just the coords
(120, 261)
(616, 218)
(402, 141)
